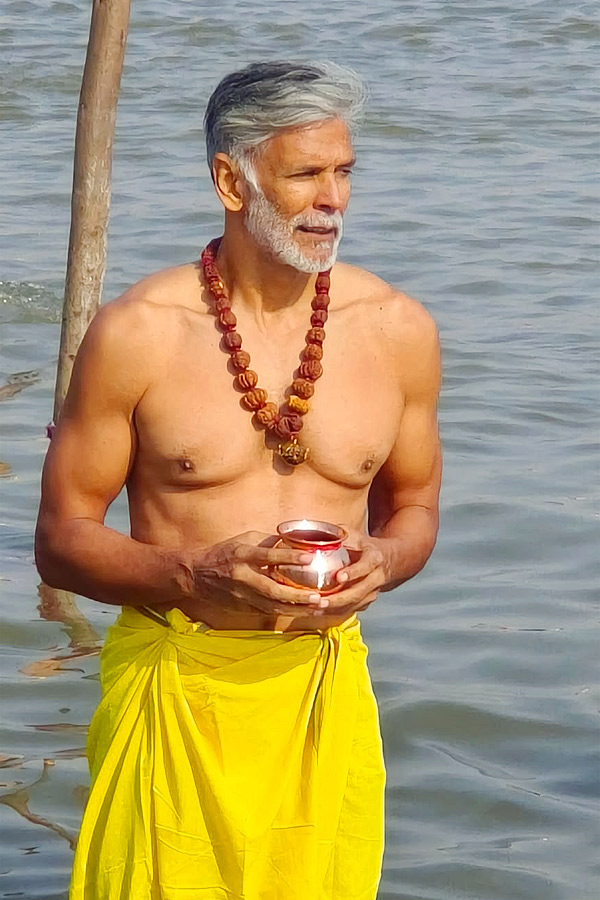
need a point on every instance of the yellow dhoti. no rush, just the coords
(232, 765)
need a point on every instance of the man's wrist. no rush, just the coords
(400, 561)
(389, 551)
(180, 572)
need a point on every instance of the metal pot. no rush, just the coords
(324, 542)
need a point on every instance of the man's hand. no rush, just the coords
(362, 579)
(228, 575)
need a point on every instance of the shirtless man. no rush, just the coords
(151, 404)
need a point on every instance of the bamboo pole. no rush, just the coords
(92, 167)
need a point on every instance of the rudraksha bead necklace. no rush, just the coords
(285, 422)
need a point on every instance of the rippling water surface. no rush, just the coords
(476, 191)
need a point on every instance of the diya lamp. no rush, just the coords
(325, 543)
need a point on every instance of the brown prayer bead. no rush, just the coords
(311, 369)
(298, 404)
(240, 359)
(246, 380)
(313, 351)
(315, 335)
(319, 317)
(288, 425)
(232, 340)
(267, 415)
(303, 388)
(322, 283)
(283, 424)
(321, 301)
(227, 320)
(254, 399)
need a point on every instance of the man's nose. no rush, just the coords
(330, 198)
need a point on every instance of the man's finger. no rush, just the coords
(349, 609)
(281, 593)
(270, 608)
(370, 598)
(266, 556)
(369, 560)
(356, 592)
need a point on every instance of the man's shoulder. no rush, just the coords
(169, 289)
(150, 306)
(128, 334)
(402, 317)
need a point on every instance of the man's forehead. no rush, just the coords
(321, 142)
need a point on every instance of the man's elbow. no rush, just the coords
(48, 561)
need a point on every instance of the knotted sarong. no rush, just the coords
(232, 765)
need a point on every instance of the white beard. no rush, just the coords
(272, 231)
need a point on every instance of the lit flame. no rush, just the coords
(321, 567)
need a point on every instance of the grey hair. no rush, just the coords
(249, 106)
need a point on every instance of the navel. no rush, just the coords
(186, 465)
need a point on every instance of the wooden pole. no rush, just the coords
(91, 181)
(90, 202)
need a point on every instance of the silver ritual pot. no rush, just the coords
(324, 542)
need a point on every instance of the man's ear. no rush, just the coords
(228, 182)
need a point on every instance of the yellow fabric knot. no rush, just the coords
(180, 623)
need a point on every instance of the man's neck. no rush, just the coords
(257, 281)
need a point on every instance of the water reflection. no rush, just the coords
(16, 382)
(18, 799)
(60, 606)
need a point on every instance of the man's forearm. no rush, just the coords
(90, 559)
(406, 540)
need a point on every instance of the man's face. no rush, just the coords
(303, 180)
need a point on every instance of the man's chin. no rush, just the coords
(313, 266)
(317, 260)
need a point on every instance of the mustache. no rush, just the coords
(318, 220)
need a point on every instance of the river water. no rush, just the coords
(476, 191)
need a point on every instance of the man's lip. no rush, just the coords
(317, 229)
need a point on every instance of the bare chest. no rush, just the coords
(193, 431)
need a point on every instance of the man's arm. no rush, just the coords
(404, 496)
(86, 467)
